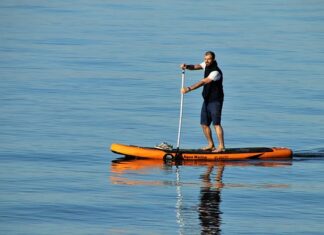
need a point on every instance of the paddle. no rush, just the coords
(180, 220)
(181, 111)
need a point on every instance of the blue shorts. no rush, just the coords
(211, 112)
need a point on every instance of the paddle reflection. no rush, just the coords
(211, 184)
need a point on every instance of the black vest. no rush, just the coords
(213, 91)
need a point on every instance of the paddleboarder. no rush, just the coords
(213, 96)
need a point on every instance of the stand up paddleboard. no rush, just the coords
(194, 154)
(201, 155)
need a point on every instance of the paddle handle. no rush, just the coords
(181, 108)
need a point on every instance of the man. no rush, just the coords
(213, 95)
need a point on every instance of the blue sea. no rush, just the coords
(77, 76)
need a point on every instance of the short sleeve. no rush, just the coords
(214, 75)
(203, 65)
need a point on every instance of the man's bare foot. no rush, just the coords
(207, 148)
(219, 150)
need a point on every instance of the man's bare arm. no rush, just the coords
(195, 86)
(191, 66)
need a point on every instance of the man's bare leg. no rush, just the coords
(208, 135)
(220, 136)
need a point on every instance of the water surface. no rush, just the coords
(77, 76)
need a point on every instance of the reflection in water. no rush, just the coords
(210, 199)
(211, 185)
(180, 219)
(121, 166)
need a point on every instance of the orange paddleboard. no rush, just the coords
(202, 155)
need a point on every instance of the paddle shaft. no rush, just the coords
(181, 109)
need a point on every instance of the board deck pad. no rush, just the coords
(227, 151)
(198, 154)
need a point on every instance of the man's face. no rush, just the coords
(208, 60)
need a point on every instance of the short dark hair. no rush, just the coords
(210, 53)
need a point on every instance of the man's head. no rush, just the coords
(209, 58)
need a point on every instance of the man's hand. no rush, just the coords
(183, 66)
(185, 90)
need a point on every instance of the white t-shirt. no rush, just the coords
(214, 75)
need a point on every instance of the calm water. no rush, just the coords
(76, 76)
